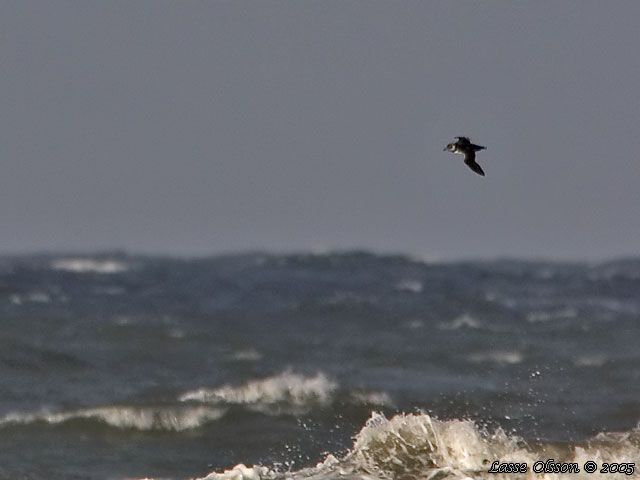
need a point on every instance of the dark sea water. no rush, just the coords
(345, 365)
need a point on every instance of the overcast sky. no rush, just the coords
(199, 127)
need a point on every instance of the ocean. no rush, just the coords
(347, 365)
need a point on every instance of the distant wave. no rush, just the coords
(89, 265)
(35, 297)
(286, 387)
(419, 446)
(411, 286)
(285, 392)
(124, 417)
(596, 360)
(499, 357)
(462, 321)
(246, 355)
(545, 316)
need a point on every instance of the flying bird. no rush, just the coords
(463, 146)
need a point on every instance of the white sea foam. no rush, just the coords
(628, 307)
(287, 388)
(417, 446)
(625, 270)
(242, 472)
(286, 392)
(39, 297)
(246, 355)
(138, 418)
(545, 316)
(462, 321)
(414, 324)
(412, 444)
(89, 265)
(499, 357)
(379, 399)
(590, 360)
(33, 297)
(411, 286)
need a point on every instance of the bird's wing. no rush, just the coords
(470, 160)
(463, 140)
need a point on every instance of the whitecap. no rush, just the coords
(125, 417)
(287, 388)
(246, 355)
(411, 286)
(590, 360)
(176, 333)
(241, 472)
(418, 446)
(378, 399)
(413, 324)
(89, 265)
(499, 357)
(39, 297)
(545, 316)
(462, 321)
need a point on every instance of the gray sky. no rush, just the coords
(209, 126)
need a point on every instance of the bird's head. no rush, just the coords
(450, 148)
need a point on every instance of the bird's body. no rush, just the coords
(463, 146)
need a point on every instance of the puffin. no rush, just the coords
(463, 146)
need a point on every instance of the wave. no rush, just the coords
(545, 316)
(590, 360)
(34, 297)
(411, 286)
(89, 265)
(287, 387)
(285, 392)
(246, 355)
(498, 357)
(124, 417)
(418, 446)
(462, 321)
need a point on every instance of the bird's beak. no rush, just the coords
(444, 149)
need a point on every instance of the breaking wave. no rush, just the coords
(89, 265)
(137, 418)
(285, 392)
(463, 321)
(498, 357)
(289, 388)
(417, 446)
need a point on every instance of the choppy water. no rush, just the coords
(314, 366)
